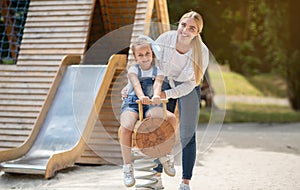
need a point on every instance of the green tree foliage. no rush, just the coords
(248, 35)
(251, 36)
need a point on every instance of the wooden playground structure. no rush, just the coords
(57, 34)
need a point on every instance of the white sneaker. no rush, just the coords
(159, 184)
(184, 186)
(168, 164)
(129, 179)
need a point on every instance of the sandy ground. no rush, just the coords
(239, 156)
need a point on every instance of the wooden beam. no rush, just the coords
(148, 18)
(162, 15)
(105, 15)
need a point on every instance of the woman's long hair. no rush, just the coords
(196, 45)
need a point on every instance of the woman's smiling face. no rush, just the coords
(187, 29)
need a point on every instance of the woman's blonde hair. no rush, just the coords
(196, 45)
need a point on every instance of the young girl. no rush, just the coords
(145, 85)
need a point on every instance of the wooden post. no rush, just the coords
(141, 111)
(162, 15)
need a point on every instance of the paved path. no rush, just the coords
(243, 156)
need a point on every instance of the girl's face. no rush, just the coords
(187, 30)
(143, 56)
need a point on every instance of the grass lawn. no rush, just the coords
(239, 112)
(264, 85)
(235, 84)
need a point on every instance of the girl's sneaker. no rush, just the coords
(129, 179)
(168, 164)
(159, 184)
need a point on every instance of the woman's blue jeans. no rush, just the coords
(188, 107)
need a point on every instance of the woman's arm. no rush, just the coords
(124, 91)
(180, 90)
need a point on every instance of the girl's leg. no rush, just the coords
(189, 111)
(128, 120)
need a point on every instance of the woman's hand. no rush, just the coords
(124, 91)
(156, 99)
(163, 95)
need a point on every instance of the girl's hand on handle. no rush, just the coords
(155, 100)
(145, 100)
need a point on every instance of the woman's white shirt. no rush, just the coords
(179, 62)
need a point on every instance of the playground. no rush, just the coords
(64, 65)
(61, 74)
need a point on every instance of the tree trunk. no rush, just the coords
(293, 67)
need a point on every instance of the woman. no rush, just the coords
(183, 59)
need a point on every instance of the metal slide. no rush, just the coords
(65, 121)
